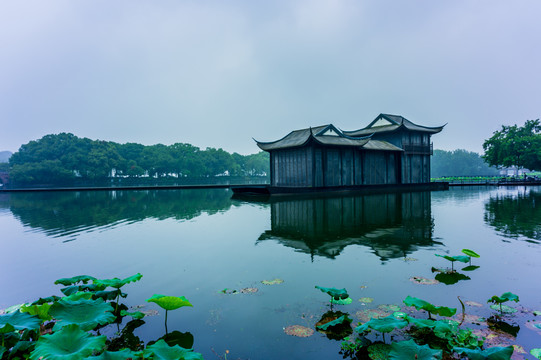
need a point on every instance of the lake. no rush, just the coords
(216, 251)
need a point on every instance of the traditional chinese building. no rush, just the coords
(390, 150)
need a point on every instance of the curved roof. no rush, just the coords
(325, 135)
(389, 123)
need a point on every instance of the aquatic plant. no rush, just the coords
(470, 253)
(496, 352)
(383, 325)
(430, 308)
(406, 350)
(169, 303)
(338, 296)
(452, 259)
(499, 300)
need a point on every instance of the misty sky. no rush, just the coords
(217, 73)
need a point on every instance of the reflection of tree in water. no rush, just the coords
(514, 216)
(393, 225)
(68, 213)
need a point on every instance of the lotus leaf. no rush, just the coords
(249, 290)
(46, 300)
(2, 351)
(162, 351)
(425, 305)
(20, 321)
(114, 355)
(272, 282)
(118, 283)
(74, 280)
(379, 351)
(508, 296)
(169, 302)
(86, 287)
(41, 311)
(81, 295)
(536, 352)
(367, 314)
(384, 325)
(451, 278)
(109, 295)
(421, 323)
(537, 312)
(366, 300)
(342, 319)
(423, 281)
(503, 308)
(184, 340)
(21, 350)
(389, 307)
(69, 343)
(136, 314)
(336, 294)
(345, 301)
(406, 350)
(470, 268)
(493, 353)
(299, 331)
(13, 308)
(444, 328)
(461, 258)
(6, 328)
(88, 314)
(470, 253)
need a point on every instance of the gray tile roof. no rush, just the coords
(395, 122)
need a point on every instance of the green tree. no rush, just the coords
(514, 145)
(459, 163)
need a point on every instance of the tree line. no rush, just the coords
(459, 163)
(61, 158)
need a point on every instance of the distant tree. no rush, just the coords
(514, 145)
(460, 163)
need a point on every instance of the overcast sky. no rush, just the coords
(217, 73)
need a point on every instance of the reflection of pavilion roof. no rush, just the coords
(386, 243)
(326, 135)
(389, 123)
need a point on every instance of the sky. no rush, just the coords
(219, 73)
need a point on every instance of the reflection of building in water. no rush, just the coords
(392, 224)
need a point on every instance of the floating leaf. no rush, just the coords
(162, 351)
(450, 278)
(184, 340)
(341, 320)
(423, 281)
(425, 305)
(384, 325)
(406, 350)
(136, 314)
(336, 294)
(169, 302)
(69, 343)
(493, 353)
(74, 280)
(249, 290)
(88, 314)
(272, 282)
(473, 303)
(536, 352)
(366, 300)
(379, 351)
(20, 321)
(470, 268)
(366, 315)
(118, 283)
(114, 355)
(389, 307)
(299, 331)
(470, 253)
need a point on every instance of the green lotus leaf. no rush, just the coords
(109, 295)
(366, 300)
(504, 308)
(6, 328)
(114, 355)
(136, 314)
(470, 253)
(20, 321)
(46, 300)
(443, 328)
(81, 295)
(425, 305)
(342, 319)
(385, 325)
(118, 283)
(507, 296)
(2, 351)
(13, 308)
(85, 287)
(162, 351)
(41, 311)
(272, 282)
(345, 301)
(184, 340)
(493, 353)
(88, 314)
(406, 350)
(336, 294)
(69, 343)
(74, 280)
(451, 278)
(461, 258)
(421, 323)
(169, 302)
(21, 349)
(379, 351)
(536, 352)
(470, 268)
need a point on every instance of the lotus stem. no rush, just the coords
(463, 309)
(166, 332)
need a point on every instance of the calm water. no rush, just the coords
(197, 242)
